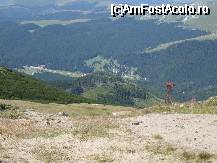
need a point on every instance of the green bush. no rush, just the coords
(4, 107)
(9, 112)
(212, 101)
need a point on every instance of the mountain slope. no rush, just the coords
(108, 88)
(199, 22)
(72, 44)
(186, 56)
(191, 65)
(15, 85)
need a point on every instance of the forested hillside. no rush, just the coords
(191, 65)
(109, 89)
(66, 47)
(14, 85)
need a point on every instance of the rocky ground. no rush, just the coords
(35, 136)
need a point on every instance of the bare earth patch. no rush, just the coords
(197, 132)
(106, 135)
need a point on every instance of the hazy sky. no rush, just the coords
(62, 2)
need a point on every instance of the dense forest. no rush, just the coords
(66, 47)
(14, 85)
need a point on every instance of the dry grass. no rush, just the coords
(129, 149)
(76, 111)
(162, 148)
(89, 121)
(103, 158)
(182, 109)
(26, 130)
(38, 133)
(157, 137)
(51, 154)
(204, 156)
(23, 127)
(197, 156)
(93, 128)
(188, 155)
(56, 155)
(9, 112)
(165, 149)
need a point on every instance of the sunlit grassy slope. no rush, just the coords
(74, 110)
(44, 23)
(165, 46)
(98, 110)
